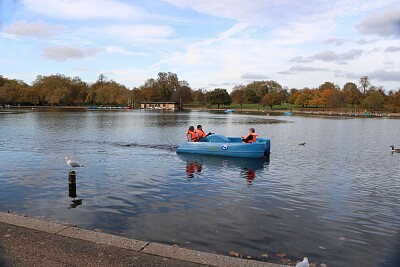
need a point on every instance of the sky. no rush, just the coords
(208, 43)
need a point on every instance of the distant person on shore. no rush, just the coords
(250, 137)
(191, 135)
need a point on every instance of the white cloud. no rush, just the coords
(392, 49)
(122, 51)
(252, 76)
(334, 41)
(33, 29)
(137, 32)
(329, 55)
(84, 9)
(258, 12)
(383, 24)
(63, 53)
(297, 69)
(383, 75)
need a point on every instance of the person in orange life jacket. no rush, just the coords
(251, 137)
(200, 134)
(191, 135)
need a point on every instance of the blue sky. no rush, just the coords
(208, 43)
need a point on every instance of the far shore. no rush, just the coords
(294, 111)
(324, 112)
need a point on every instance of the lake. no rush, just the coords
(335, 200)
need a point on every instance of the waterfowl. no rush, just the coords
(303, 263)
(302, 143)
(72, 163)
(397, 150)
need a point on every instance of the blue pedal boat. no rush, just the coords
(219, 145)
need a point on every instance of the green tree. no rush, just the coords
(199, 96)
(166, 84)
(219, 97)
(251, 97)
(374, 101)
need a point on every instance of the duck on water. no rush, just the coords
(397, 150)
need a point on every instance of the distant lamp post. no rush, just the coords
(180, 99)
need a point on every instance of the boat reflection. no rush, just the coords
(192, 167)
(247, 166)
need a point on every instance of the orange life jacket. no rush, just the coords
(194, 137)
(200, 133)
(254, 135)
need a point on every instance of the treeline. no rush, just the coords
(61, 90)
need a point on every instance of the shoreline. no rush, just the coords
(324, 112)
(316, 112)
(36, 242)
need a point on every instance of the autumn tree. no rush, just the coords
(182, 94)
(327, 86)
(59, 89)
(394, 100)
(271, 99)
(149, 91)
(111, 93)
(29, 96)
(237, 95)
(11, 90)
(260, 88)
(351, 94)
(294, 93)
(304, 97)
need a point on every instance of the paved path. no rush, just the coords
(31, 242)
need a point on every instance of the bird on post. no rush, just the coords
(72, 163)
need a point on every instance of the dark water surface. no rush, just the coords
(335, 200)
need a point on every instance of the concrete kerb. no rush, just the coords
(173, 252)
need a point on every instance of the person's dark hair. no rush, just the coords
(199, 126)
(191, 128)
(252, 130)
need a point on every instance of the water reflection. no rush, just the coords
(250, 175)
(247, 167)
(192, 167)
